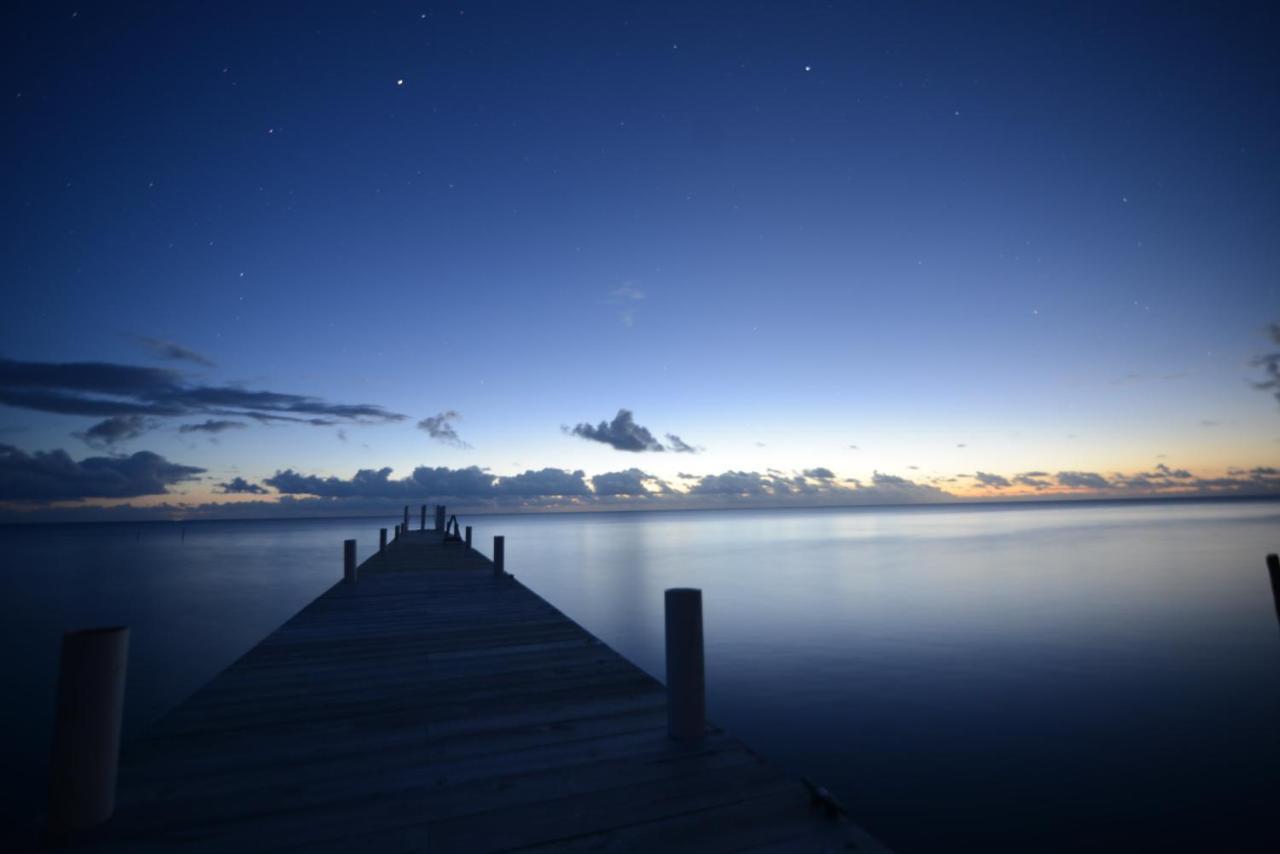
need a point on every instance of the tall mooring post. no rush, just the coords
(349, 561)
(1273, 569)
(382, 540)
(404, 526)
(422, 522)
(468, 536)
(439, 517)
(686, 680)
(499, 556)
(86, 730)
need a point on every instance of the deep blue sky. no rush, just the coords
(1046, 233)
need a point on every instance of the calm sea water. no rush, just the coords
(1050, 677)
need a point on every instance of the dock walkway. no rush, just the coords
(435, 706)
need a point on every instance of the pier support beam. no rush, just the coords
(499, 556)
(86, 731)
(439, 517)
(404, 526)
(349, 561)
(382, 540)
(422, 523)
(468, 536)
(686, 679)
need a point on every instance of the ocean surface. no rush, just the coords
(1090, 676)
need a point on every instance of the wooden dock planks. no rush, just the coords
(432, 706)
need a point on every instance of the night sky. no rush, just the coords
(637, 254)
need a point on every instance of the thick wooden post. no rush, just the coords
(404, 526)
(1273, 569)
(439, 517)
(686, 680)
(422, 522)
(499, 556)
(397, 532)
(349, 561)
(382, 539)
(468, 536)
(86, 730)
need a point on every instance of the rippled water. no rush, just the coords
(1101, 675)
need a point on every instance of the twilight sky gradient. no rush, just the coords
(991, 239)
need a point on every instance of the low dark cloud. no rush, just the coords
(622, 433)
(440, 427)
(239, 486)
(820, 473)
(991, 480)
(1082, 480)
(1034, 479)
(54, 476)
(629, 482)
(117, 428)
(213, 425)
(169, 350)
(102, 389)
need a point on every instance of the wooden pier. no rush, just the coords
(435, 704)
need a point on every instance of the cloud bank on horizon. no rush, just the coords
(54, 482)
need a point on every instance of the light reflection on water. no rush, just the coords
(1012, 677)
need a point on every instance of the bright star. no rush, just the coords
(400, 82)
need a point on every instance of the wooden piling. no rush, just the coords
(382, 539)
(404, 526)
(86, 734)
(468, 536)
(1273, 569)
(686, 681)
(422, 521)
(499, 556)
(439, 517)
(349, 561)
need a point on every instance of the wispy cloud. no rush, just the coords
(213, 425)
(174, 352)
(680, 446)
(440, 427)
(113, 430)
(103, 389)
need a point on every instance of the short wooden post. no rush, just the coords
(499, 556)
(86, 730)
(422, 522)
(382, 540)
(397, 532)
(686, 679)
(439, 517)
(468, 536)
(404, 526)
(1273, 569)
(349, 561)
